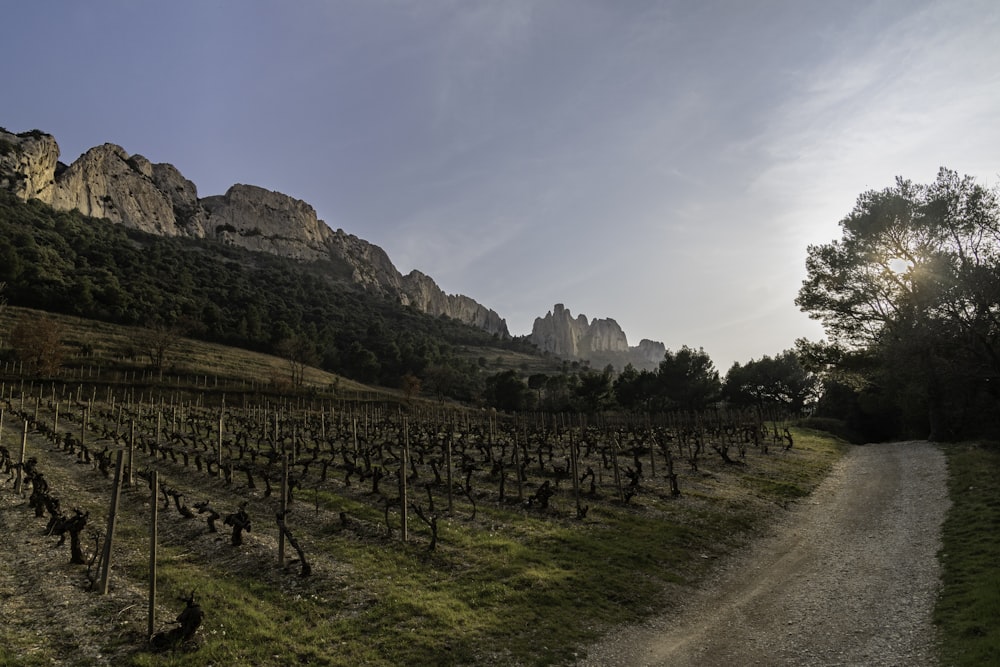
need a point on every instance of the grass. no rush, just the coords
(968, 608)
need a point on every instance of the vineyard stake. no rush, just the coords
(451, 433)
(402, 478)
(20, 465)
(112, 520)
(218, 471)
(574, 470)
(284, 508)
(131, 454)
(154, 506)
(618, 477)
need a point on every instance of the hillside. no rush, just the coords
(107, 182)
(65, 262)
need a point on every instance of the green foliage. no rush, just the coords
(67, 263)
(780, 381)
(968, 608)
(914, 287)
(688, 379)
(506, 391)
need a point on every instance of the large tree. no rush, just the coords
(687, 379)
(915, 280)
(779, 381)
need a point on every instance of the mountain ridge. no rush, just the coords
(107, 182)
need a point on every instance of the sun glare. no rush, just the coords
(899, 266)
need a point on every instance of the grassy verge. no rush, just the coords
(968, 609)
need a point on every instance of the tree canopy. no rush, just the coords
(779, 381)
(914, 285)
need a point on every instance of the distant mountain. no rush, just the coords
(107, 182)
(601, 342)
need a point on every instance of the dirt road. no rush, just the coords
(849, 578)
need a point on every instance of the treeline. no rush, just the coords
(65, 262)
(686, 380)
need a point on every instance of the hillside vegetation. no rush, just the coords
(67, 263)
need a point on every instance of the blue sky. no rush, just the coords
(665, 164)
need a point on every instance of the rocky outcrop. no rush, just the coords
(266, 221)
(28, 164)
(183, 195)
(367, 265)
(425, 295)
(107, 182)
(648, 354)
(601, 342)
(570, 338)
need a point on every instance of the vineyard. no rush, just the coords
(320, 530)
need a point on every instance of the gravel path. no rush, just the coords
(848, 578)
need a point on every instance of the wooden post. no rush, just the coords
(112, 520)
(284, 508)
(218, 471)
(451, 433)
(20, 466)
(131, 454)
(154, 506)
(652, 459)
(403, 463)
(574, 470)
(618, 477)
(1, 423)
(517, 468)
(55, 421)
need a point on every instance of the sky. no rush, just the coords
(665, 164)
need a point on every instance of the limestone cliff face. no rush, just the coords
(28, 164)
(107, 182)
(601, 342)
(266, 221)
(183, 195)
(648, 353)
(570, 338)
(425, 295)
(369, 265)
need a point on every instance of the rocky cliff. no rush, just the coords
(107, 182)
(424, 294)
(28, 163)
(266, 221)
(601, 342)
